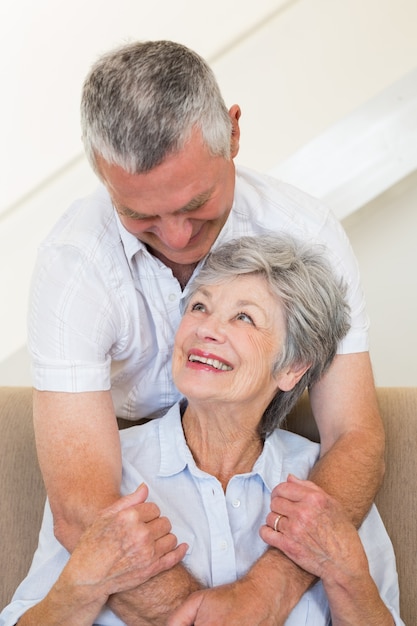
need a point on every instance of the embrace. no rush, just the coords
(261, 322)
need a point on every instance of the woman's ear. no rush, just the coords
(234, 114)
(289, 377)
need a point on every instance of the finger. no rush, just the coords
(277, 526)
(292, 549)
(272, 538)
(295, 511)
(289, 490)
(166, 544)
(159, 527)
(173, 557)
(307, 484)
(132, 499)
(284, 506)
(294, 490)
(292, 478)
(147, 512)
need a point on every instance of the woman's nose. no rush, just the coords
(211, 329)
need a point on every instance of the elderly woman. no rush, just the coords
(261, 322)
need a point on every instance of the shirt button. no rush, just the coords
(236, 504)
(223, 545)
(172, 297)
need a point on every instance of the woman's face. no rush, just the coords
(227, 342)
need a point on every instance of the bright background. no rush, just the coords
(328, 90)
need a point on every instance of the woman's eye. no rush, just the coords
(198, 306)
(245, 318)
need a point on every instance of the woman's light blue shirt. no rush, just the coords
(221, 528)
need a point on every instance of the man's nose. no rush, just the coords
(175, 232)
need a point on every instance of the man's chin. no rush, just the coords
(187, 256)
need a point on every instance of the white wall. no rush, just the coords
(383, 235)
(297, 67)
(47, 47)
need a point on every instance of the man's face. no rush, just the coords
(178, 208)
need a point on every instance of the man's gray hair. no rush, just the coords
(313, 300)
(141, 102)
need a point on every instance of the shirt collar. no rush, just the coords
(285, 453)
(272, 466)
(268, 466)
(130, 243)
(175, 454)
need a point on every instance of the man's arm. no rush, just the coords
(152, 603)
(344, 404)
(79, 454)
(265, 596)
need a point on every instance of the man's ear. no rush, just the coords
(289, 377)
(234, 114)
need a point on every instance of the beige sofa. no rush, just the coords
(22, 492)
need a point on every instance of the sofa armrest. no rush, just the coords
(22, 492)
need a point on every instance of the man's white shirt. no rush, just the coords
(104, 311)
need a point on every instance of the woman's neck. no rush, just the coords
(222, 444)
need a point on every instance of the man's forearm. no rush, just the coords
(281, 581)
(352, 436)
(265, 595)
(78, 485)
(352, 471)
(153, 601)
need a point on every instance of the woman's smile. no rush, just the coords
(198, 359)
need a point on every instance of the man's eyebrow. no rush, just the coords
(194, 204)
(126, 212)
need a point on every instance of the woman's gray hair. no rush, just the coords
(141, 102)
(313, 299)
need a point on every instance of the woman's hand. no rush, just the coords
(128, 543)
(312, 529)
